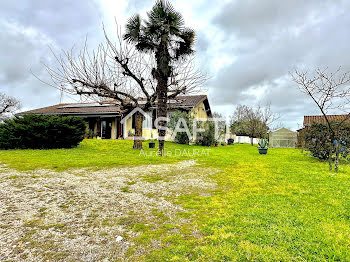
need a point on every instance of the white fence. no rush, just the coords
(244, 139)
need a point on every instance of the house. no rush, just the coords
(309, 120)
(105, 119)
(283, 138)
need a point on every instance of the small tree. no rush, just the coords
(207, 138)
(176, 120)
(318, 142)
(329, 91)
(8, 105)
(252, 122)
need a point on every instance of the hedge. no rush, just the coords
(41, 132)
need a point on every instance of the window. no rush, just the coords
(147, 120)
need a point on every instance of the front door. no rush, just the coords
(106, 128)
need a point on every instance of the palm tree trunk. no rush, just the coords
(162, 112)
(162, 74)
(138, 130)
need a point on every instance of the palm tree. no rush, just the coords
(163, 33)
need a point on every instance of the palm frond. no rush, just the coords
(152, 30)
(185, 44)
(145, 44)
(175, 19)
(133, 29)
(164, 17)
(163, 20)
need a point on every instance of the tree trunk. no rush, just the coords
(162, 74)
(252, 141)
(330, 155)
(337, 152)
(138, 130)
(162, 112)
(303, 145)
(301, 141)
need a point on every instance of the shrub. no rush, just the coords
(181, 137)
(318, 141)
(39, 132)
(207, 138)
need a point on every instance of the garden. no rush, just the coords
(102, 200)
(66, 198)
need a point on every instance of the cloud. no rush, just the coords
(26, 32)
(62, 20)
(247, 47)
(137, 5)
(269, 39)
(24, 49)
(263, 19)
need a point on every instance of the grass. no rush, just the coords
(282, 206)
(90, 153)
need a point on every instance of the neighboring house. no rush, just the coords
(309, 120)
(283, 138)
(105, 118)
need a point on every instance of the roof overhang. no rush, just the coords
(104, 114)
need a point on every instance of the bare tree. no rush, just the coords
(255, 126)
(8, 105)
(329, 91)
(117, 70)
(253, 122)
(267, 118)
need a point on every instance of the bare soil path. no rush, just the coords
(85, 215)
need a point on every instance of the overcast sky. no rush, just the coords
(247, 47)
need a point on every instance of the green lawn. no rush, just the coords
(283, 206)
(91, 153)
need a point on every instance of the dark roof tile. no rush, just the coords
(109, 107)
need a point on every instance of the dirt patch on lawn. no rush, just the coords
(90, 215)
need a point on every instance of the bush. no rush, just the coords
(41, 132)
(181, 137)
(207, 138)
(318, 141)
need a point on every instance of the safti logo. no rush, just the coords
(220, 124)
(137, 109)
(134, 111)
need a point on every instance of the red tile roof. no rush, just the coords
(308, 120)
